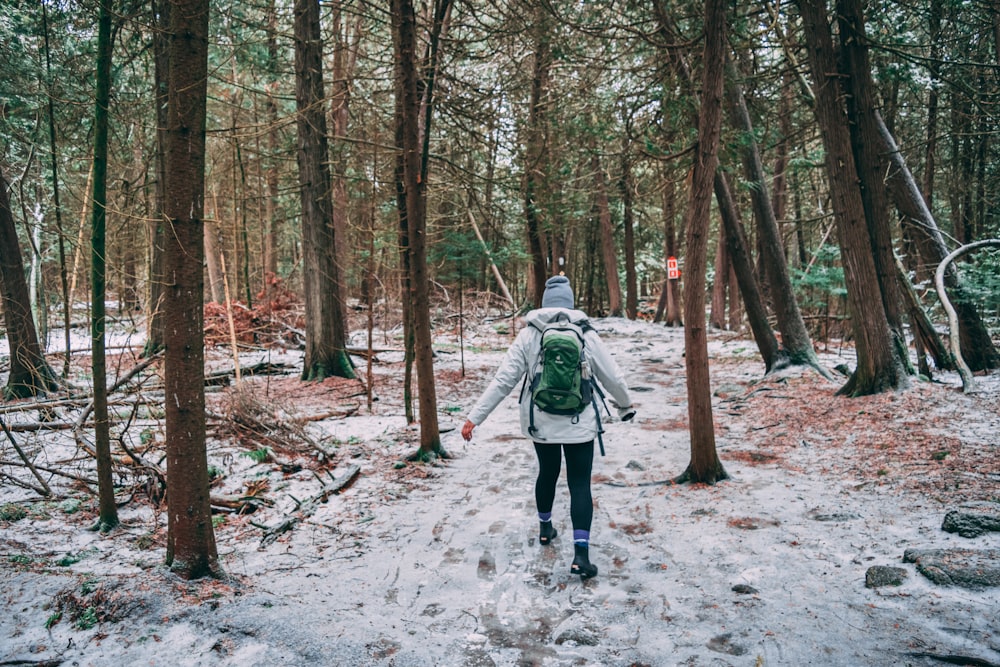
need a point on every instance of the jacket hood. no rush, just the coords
(539, 317)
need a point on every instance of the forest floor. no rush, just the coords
(351, 556)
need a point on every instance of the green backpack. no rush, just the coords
(558, 385)
(561, 382)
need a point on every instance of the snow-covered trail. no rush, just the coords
(767, 568)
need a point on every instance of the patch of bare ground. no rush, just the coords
(927, 439)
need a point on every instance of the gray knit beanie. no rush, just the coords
(558, 293)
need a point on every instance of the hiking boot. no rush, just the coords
(546, 531)
(581, 563)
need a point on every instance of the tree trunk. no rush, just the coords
(273, 146)
(779, 184)
(735, 304)
(736, 241)
(878, 368)
(628, 219)
(609, 253)
(864, 133)
(326, 332)
(918, 224)
(108, 510)
(404, 260)
(157, 225)
(930, 147)
(717, 311)
(54, 164)
(414, 183)
(213, 254)
(747, 277)
(739, 256)
(191, 549)
(344, 57)
(535, 157)
(925, 336)
(795, 341)
(705, 465)
(30, 374)
(672, 287)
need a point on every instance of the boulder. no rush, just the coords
(878, 576)
(965, 568)
(973, 521)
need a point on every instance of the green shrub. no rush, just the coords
(12, 512)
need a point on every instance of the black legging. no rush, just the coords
(579, 462)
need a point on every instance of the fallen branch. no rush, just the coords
(955, 659)
(306, 508)
(239, 504)
(45, 490)
(141, 462)
(54, 471)
(34, 663)
(122, 381)
(340, 414)
(661, 482)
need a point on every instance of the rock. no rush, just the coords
(579, 637)
(965, 568)
(728, 390)
(817, 515)
(878, 576)
(724, 644)
(972, 522)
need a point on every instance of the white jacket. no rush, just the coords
(520, 360)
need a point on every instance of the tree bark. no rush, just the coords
(404, 259)
(345, 49)
(925, 336)
(628, 220)
(717, 310)
(735, 304)
(270, 261)
(535, 157)
(968, 383)
(414, 184)
(213, 257)
(161, 10)
(54, 165)
(878, 367)
(191, 548)
(609, 253)
(739, 256)
(930, 147)
(326, 332)
(672, 288)
(779, 184)
(861, 108)
(705, 465)
(918, 224)
(108, 510)
(30, 374)
(795, 341)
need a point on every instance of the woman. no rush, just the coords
(555, 436)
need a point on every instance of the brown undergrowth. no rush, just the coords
(914, 439)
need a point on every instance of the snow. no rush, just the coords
(440, 564)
